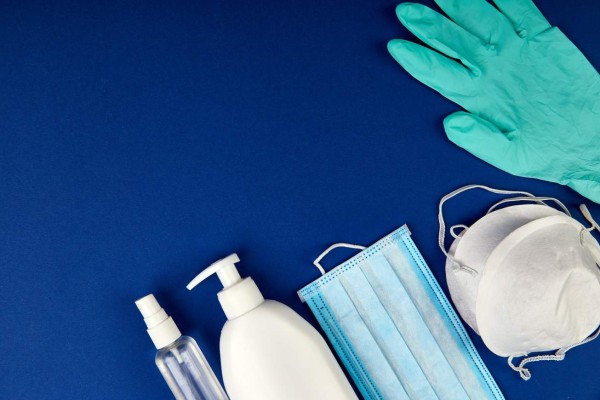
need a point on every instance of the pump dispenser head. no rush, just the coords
(225, 270)
(161, 327)
(239, 295)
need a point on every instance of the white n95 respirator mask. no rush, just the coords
(525, 277)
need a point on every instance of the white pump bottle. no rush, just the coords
(269, 352)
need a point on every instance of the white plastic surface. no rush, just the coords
(240, 298)
(271, 353)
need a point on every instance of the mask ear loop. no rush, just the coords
(317, 262)
(558, 356)
(442, 230)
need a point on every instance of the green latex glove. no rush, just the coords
(533, 98)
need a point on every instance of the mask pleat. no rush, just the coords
(442, 330)
(388, 338)
(411, 326)
(343, 347)
(363, 343)
(361, 377)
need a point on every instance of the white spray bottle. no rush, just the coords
(268, 351)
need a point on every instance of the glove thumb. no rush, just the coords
(480, 138)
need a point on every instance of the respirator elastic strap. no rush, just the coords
(592, 245)
(442, 231)
(536, 199)
(588, 215)
(558, 356)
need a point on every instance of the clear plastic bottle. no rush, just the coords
(185, 369)
(179, 358)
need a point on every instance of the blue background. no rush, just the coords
(142, 140)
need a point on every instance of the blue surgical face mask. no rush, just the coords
(393, 327)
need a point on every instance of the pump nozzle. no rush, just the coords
(238, 295)
(225, 270)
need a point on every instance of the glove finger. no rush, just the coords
(477, 17)
(480, 138)
(450, 78)
(440, 33)
(526, 18)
